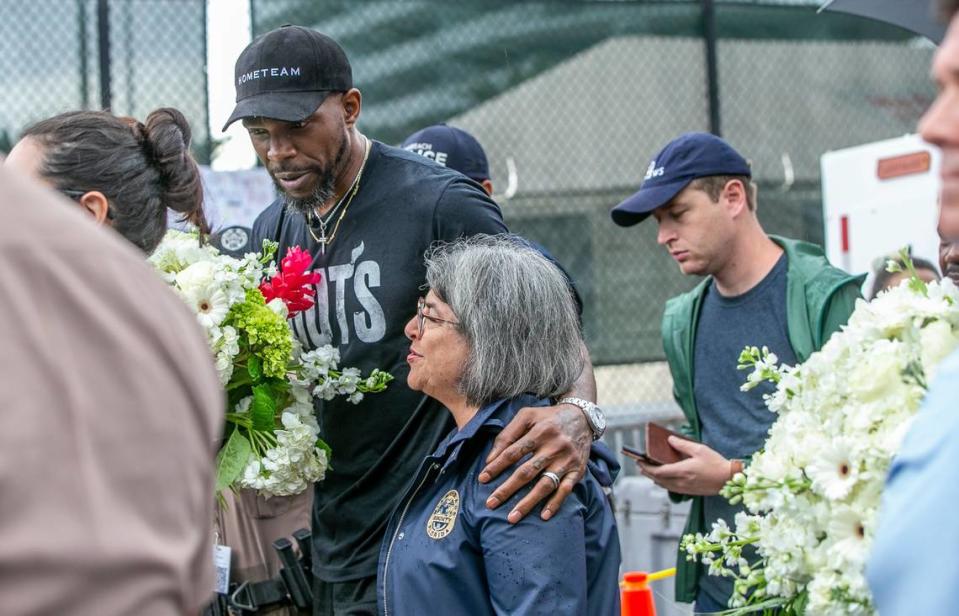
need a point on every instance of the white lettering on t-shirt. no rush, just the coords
(373, 329)
(312, 327)
(340, 274)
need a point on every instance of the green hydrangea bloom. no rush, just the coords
(267, 332)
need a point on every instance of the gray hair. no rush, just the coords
(517, 312)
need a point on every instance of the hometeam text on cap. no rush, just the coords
(287, 73)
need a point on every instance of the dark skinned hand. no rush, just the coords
(554, 438)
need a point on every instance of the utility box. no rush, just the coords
(878, 198)
(650, 527)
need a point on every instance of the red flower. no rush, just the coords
(293, 283)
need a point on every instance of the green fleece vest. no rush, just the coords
(819, 300)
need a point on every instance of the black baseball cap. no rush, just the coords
(286, 74)
(689, 156)
(451, 147)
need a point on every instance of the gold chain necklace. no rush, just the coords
(322, 239)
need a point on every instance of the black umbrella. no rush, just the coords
(913, 15)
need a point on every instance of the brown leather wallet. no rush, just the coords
(658, 448)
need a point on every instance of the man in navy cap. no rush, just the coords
(759, 290)
(456, 149)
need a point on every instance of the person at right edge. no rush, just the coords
(760, 290)
(913, 567)
(367, 213)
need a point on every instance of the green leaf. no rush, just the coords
(800, 603)
(321, 444)
(279, 387)
(254, 367)
(263, 409)
(231, 460)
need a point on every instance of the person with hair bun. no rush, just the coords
(124, 172)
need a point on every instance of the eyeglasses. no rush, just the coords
(421, 318)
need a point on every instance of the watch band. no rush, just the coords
(588, 409)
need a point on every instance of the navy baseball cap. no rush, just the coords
(451, 147)
(689, 156)
(287, 73)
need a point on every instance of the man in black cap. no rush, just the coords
(759, 290)
(367, 212)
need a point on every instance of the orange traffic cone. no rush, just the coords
(636, 595)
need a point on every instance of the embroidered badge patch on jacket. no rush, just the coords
(443, 519)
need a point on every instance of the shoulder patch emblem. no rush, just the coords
(443, 519)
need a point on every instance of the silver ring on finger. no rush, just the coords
(552, 477)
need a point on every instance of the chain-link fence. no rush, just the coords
(130, 56)
(572, 99)
(569, 98)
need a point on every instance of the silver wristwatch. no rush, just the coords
(595, 417)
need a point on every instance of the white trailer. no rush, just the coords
(878, 198)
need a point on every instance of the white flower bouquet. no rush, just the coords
(812, 494)
(271, 437)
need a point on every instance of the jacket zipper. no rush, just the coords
(396, 532)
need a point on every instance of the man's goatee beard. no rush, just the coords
(324, 191)
(325, 188)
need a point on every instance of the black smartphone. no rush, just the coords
(638, 455)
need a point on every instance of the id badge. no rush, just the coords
(221, 561)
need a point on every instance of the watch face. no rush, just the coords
(598, 419)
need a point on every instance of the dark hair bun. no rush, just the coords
(167, 135)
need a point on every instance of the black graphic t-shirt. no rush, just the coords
(373, 273)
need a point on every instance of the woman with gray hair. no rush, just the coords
(496, 332)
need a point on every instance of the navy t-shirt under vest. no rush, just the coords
(373, 272)
(736, 423)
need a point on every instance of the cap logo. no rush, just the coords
(426, 150)
(653, 171)
(274, 71)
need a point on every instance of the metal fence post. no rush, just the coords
(103, 43)
(82, 52)
(712, 70)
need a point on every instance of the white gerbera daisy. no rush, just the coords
(210, 305)
(847, 534)
(834, 471)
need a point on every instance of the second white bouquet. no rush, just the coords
(812, 494)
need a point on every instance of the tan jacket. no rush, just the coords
(110, 412)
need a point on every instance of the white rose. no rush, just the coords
(938, 340)
(199, 275)
(878, 373)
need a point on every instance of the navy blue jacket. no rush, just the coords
(445, 553)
